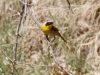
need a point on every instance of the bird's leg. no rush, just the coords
(47, 37)
(48, 40)
(53, 38)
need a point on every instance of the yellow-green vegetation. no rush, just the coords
(81, 54)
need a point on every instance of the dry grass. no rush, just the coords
(81, 55)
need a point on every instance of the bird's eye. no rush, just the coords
(49, 23)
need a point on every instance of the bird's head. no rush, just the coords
(48, 23)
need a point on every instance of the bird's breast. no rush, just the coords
(47, 29)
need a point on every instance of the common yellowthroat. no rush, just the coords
(49, 29)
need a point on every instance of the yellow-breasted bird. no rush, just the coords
(49, 29)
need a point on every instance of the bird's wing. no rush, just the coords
(54, 28)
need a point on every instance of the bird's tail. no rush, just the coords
(62, 38)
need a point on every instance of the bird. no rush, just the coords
(50, 30)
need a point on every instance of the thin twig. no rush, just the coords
(52, 51)
(35, 20)
(50, 46)
(16, 70)
(37, 23)
(6, 55)
(26, 3)
(25, 12)
(69, 6)
(8, 59)
(16, 39)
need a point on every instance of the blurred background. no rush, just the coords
(81, 54)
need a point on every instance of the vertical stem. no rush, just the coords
(16, 39)
(69, 6)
